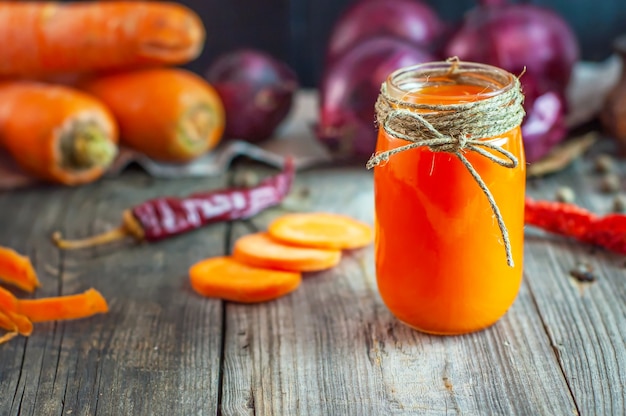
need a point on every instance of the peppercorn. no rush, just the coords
(610, 183)
(583, 272)
(604, 164)
(619, 203)
(565, 194)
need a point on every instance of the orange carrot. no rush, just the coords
(8, 302)
(76, 306)
(321, 230)
(7, 323)
(226, 278)
(22, 324)
(16, 270)
(261, 250)
(168, 114)
(56, 133)
(48, 37)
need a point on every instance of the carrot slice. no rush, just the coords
(81, 305)
(229, 279)
(321, 230)
(17, 270)
(263, 251)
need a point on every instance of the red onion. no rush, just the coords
(517, 37)
(257, 91)
(528, 39)
(544, 126)
(410, 20)
(349, 89)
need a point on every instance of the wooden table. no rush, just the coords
(329, 348)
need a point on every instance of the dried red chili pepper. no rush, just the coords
(573, 221)
(164, 217)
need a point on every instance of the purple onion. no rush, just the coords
(349, 89)
(530, 40)
(256, 90)
(410, 20)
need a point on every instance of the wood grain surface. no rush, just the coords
(331, 347)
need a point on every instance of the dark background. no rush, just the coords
(296, 31)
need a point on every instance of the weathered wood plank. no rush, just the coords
(158, 349)
(332, 347)
(585, 321)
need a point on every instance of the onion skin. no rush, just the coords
(519, 38)
(257, 91)
(534, 43)
(410, 20)
(544, 127)
(349, 89)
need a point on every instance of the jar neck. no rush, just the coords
(448, 82)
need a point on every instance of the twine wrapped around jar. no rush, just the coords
(455, 128)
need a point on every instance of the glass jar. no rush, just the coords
(440, 256)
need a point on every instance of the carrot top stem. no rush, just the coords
(196, 125)
(85, 145)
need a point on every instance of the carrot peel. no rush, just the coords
(81, 305)
(261, 250)
(17, 270)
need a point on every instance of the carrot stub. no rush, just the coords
(56, 133)
(321, 230)
(229, 279)
(53, 37)
(168, 114)
(77, 306)
(261, 250)
(16, 270)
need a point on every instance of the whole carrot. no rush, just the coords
(168, 114)
(56, 133)
(49, 37)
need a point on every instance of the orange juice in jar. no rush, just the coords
(449, 181)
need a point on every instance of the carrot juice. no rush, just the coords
(440, 259)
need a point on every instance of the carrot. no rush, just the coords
(56, 133)
(227, 278)
(261, 250)
(16, 270)
(22, 324)
(321, 230)
(168, 114)
(49, 37)
(10, 319)
(81, 305)
(8, 302)
(7, 323)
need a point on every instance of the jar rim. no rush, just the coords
(410, 79)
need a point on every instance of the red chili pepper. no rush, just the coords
(573, 221)
(164, 217)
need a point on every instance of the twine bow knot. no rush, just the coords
(455, 129)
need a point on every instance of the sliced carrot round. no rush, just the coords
(321, 230)
(261, 250)
(226, 278)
